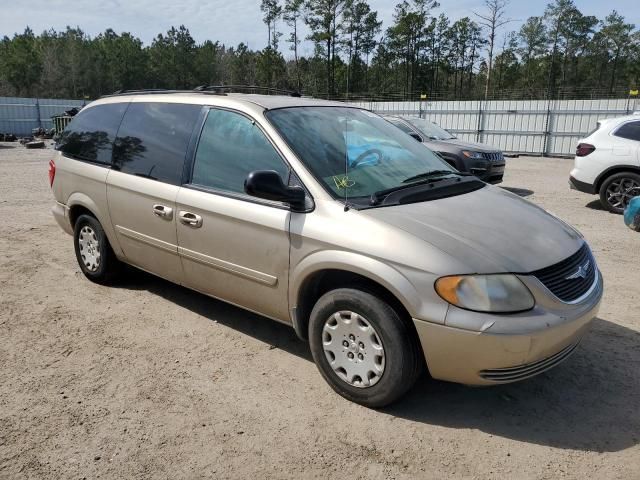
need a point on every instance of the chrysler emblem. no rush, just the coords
(581, 272)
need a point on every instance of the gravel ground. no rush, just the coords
(150, 380)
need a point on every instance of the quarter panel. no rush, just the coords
(83, 183)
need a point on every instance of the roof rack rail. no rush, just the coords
(140, 91)
(210, 90)
(246, 89)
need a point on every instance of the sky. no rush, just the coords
(231, 21)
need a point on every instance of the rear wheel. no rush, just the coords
(363, 348)
(93, 251)
(618, 189)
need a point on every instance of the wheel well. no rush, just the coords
(323, 281)
(77, 210)
(612, 171)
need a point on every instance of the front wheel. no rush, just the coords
(617, 191)
(363, 348)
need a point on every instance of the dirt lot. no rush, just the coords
(149, 380)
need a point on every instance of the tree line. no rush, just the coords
(562, 52)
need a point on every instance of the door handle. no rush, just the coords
(191, 219)
(163, 211)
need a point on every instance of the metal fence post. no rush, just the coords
(480, 126)
(38, 111)
(547, 125)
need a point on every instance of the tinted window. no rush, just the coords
(401, 125)
(153, 138)
(629, 130)
(232, 146)
(90, 134)
(430, 129)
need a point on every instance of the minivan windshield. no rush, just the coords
(430, 129)
(355, 153)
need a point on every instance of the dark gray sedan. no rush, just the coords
(483, 161)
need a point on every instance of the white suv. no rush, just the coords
(608, 162)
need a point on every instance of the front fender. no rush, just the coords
(382, 273)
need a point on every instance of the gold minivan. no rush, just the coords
(329, 219)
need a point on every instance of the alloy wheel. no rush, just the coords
(621, 191)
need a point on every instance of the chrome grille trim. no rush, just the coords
(492, 156)
(521, 372)
(567, 290)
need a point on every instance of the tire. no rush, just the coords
(93, 251)
(617, 190)
(389, 376)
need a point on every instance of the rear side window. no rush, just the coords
(153, 138)
(231, 146)
(629, 130)
(91, 133)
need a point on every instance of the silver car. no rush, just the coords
(325, 217)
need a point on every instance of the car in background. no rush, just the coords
(483, 161)
(632, 214)
(607, 162)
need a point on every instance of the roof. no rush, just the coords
(268, 102)
(634, 116)
(271, 102)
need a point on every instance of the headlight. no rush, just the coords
(499, 293)
(471, 154)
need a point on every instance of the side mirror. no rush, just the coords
(268, 184)
(416, 136)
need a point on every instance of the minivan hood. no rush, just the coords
(461, 144)
(489, 230)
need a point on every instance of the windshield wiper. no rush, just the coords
(434, 173)
(420, 179)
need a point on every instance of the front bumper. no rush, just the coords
(487, 171)
(505, 348)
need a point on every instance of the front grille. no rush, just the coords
(520, 372)
(572, 277)
(493, 156)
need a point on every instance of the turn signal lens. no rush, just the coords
(447, 288)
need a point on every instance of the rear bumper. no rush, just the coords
(61, 213)
(584, 187)
(510, 348)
